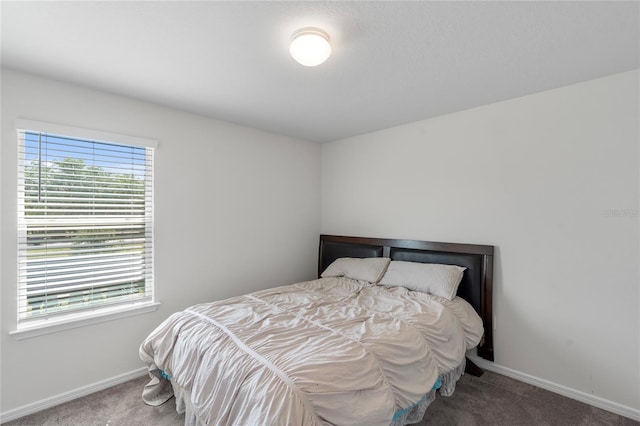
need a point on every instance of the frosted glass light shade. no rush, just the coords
(310, 46)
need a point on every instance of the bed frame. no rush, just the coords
(476, 286)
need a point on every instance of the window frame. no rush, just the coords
(47, 323)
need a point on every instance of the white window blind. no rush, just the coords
(85, 222)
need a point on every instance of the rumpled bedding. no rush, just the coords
(328, 351)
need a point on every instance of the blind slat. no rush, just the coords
(64, 286)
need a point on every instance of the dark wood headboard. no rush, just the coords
(476, 286)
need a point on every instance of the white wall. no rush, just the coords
(236, 210)
(540, 177)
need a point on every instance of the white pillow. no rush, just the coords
(432, 278)
(369, 269)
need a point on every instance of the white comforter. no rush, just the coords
(332, 350)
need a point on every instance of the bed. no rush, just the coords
(359, 345)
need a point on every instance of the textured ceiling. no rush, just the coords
(392, 62)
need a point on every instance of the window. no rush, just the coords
(85, 221)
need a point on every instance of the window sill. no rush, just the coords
(54, 325)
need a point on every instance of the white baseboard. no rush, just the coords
(34, 407)
(605, 404)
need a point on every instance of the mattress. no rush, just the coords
(328, 351)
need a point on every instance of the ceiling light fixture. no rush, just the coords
(310, 46)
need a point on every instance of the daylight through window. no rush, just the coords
(85, 223)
